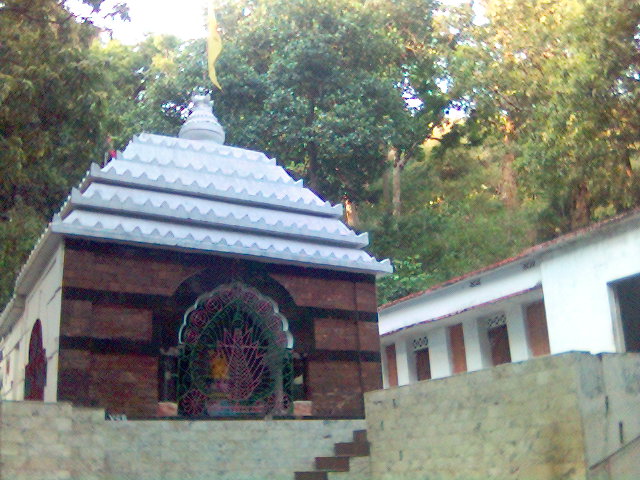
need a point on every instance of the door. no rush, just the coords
(35, 375)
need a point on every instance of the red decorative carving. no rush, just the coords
(246, 362)
(193, 402)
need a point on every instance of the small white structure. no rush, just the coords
(578, 292)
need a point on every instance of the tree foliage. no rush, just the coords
(454, 218)
(318, 84)
(52, 106)
(557, 80)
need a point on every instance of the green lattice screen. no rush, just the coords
(235, 355)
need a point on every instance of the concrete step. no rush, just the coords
(332, 464)
(352, 449)
(310, 476)
(359, 469)
(360, 436)
(344, 464)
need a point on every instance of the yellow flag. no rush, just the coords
(214, 44)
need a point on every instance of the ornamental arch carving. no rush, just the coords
(235, 355)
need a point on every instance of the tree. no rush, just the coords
(454, 219)
(328, 96)
(142, 82)
(556, 80)
(319, 85)
(51, 108)
(549, 141)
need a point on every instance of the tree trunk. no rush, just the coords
(626, 161)
(312, 150)
(509, 186)
(397, 207)
(386, 190)
(580, 213)
(312, 168)
(394, 157)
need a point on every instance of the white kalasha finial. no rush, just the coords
(202, 124)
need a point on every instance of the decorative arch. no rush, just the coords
(235, 355)
(35, 376)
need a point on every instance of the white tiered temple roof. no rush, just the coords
(198, 195)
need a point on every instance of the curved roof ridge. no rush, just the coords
(271, 175)
(123, 202)
(205, 147)
(279, 199)
(115, 228)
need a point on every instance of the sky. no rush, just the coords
(182, 18)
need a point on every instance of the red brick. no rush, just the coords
(335, 334)
(74, 377)
(318, 292)
(114, 321)
(366, 299)
(334, 388)
(123, 383)
(76, 317)
(133, 273)
(369, 336)
(70, 358)
(120, 383)
(371, 376)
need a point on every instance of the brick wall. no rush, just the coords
(316, 290)
(122, 269)
(106, 357)
(81, 318)
(122, 304)
(120, 383)
(547, 418)
(41, 441)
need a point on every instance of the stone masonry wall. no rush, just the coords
(610, 406)
(546, 418)
(55, 441)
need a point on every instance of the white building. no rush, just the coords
(578, 292)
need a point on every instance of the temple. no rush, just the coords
(189, 273)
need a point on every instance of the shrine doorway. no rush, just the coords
(35, 376)
(235, 355)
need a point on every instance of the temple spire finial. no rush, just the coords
(202, 124)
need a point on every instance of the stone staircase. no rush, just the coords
(349, 462)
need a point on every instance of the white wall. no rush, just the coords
(44, 302)
(576, 291)
(459, 297)
(476, 344)
(517, 331)
(478, 351)
(439, 352)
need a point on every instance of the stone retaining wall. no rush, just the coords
(571, 416)
(554, 417)
(55, 441)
